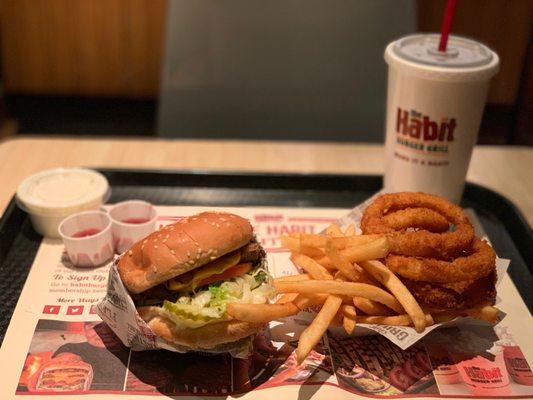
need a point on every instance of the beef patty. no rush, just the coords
(251, 252)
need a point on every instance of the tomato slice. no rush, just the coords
(237, 270)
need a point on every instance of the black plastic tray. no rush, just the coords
(508, 230)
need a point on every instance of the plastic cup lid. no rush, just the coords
(460, 52)
(464, 59)
(61, 190)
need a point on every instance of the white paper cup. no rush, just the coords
(434, 106)
(91, 250)
(447, 374)
(52, 195)
(132, 220)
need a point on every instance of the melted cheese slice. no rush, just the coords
(215, 267)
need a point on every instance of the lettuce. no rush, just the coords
(209, 304)
(189, 315)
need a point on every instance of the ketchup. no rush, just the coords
(87, 232)
(135, 220)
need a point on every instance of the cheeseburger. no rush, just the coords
(182, 277)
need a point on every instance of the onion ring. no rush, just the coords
(474, 266)
(421, 243)
(439, 297)
(421, 218)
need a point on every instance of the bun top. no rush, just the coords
(181, 247)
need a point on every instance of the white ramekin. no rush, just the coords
(126, 234)
(87, 251)
(52, 195)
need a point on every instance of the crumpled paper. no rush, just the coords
(405, 336)
(118, 311)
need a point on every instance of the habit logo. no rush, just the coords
(418, 126)
(484, 375)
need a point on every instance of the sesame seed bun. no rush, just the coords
(181, 247)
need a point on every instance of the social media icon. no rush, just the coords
(75, 310)
(51, 309)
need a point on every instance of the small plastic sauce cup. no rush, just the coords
(52, 195)
(87, 238)
(132, 221)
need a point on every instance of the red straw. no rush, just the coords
(446, 28)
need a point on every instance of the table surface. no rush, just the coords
(503, 169)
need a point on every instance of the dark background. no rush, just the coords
(94, 67)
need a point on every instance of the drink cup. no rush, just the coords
(435, 102)
(484, 377)
(444, 370)
(517, 365)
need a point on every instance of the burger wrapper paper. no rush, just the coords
(118, 311)
(404, 336)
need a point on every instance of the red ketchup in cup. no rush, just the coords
(88, 238)
(86, 233)
(132, 220)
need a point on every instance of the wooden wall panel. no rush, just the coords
(523, 133)
(83, 47)
(502, 24)
(114, 47)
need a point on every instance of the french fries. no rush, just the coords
(311, 336)
(333, 230)
(293, 278)
(363, 278)
(370, 307)
(325, 262)
(343, 242)
(349, 318)
(287, 298)
(260, 312)
(311, 251)
(313, 269)
(373, 250)
(348, 311)
(342, 275)
(398, 289)
(319, 241)
(311, 240)
(349, 325)
(350, 231)
(343, 265)
(313, 333)
(486, 313)
(304, 301)
(339, 288)
(291, 243)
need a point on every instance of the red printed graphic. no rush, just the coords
(75, 310)
(416, 125)
(268, 217)
(51, 309)
(422, 134)
(312, 219)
